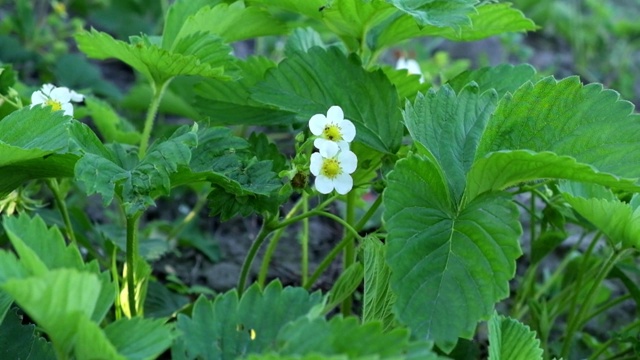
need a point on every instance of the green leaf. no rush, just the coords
(301, 40)
(503, 78)
(618, 220)
(139, 339)
(76, 72)
(448, 266)
(489, 20)
(407, 85)
(440, 13)
(512, 340)
(229, 102)
(177, 16)
(157, 64)
(10, 267)
(57, 300)
(587, 123)
(138, 183)
(7, 78)
(310, 8)
(112, 127)
(231, 23)
(378, 298)
(222, 329)
(345, 285)
(5, 304)
(19, 341)
(91, 340)
(310, 83)
(450, 127)
(502, 169)
(161, 302)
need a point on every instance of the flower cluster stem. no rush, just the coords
(265, 230)
(304, 267)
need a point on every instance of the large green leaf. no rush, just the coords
(440, 13)
(450, 127)
(229, 102)
(378, 298)
(489, 20)
(310, 8)
(502, 169)
(351, 19)
(502, 78)
(198, 54)
(587, 123)
(618, 220)
(510, 339)
(140, 338)
(448, 266)
(309, 83)
(177, 16)
(228, 327)
(138, 183)
(18, 341)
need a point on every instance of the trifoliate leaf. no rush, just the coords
(440, 13)
(157, 64)
(449, 126)
(229, 327)
(449, 265)
(502, 78)
(510, 339)
(229, 102)
(310, 83)
(587, 123)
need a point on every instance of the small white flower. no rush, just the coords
(333, 128)
(411, 65)
(332, 168)
(57, 97)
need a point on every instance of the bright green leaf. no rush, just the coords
(407, 85)
(440, 13)
(177, 16)
(91, 340)
(450, 127)
(510, 339)
(448, 266)
(345, 285)
(502, 78)
(138, 338)
(310, 83)
(378, 298)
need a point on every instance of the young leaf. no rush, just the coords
(378, 298)
(157, 64)
(345, 285)
(502, 78)
(310, 83)
(440, 13)
(489, 20)
(587, 123)
(19, 341)
(510, 339)
(228, 327)
(448, 266)
(450, 127)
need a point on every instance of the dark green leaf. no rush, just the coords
(502, 78)
(440, 13)
(301, 40)
(19, 341)
(161, 302)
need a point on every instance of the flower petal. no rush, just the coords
(37, 98)
(347, 129)
(401, 63)
(343, 145)
(47, 88)
(76, 97)
(413, 67)
(343, 183)
(348, 161)
(335, 114)
(317, 124)
(324, 185)
(327, 148)
(316, 163)
(61, 94)
(67, 108)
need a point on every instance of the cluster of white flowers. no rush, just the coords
(59, 98)
(334, 163)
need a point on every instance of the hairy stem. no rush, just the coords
(62, 207)
(265, 230)
(158, 91)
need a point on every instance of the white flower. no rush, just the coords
(332, 168)
(333, 128)
(411, 65)
(56, 97)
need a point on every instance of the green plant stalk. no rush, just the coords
(132, 254)
(574, 323)
(273, 244)
(158, 92)
(62, 207)
(304, 267)
(265, 230)
(350, 249)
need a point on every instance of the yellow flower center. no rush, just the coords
(55, 105)
(332, 132)
(330, 168)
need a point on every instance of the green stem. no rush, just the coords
(265, 230)
(350, 248)
(132, 255)
(116, 280)
(62, 207)
(305, 240)
(574, 323)
(273, 244)
(158, 91)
